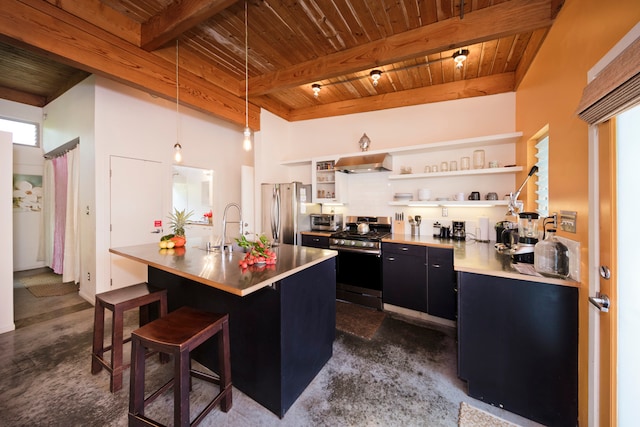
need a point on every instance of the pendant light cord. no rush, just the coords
(177, 96)
(246, 65)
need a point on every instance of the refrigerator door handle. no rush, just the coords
(275, 215)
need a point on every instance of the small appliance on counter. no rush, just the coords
(326, 222)
(528, 234)
(436, 229)
(458, 232)
(551, 256)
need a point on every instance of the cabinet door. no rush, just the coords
(518, 346)
(441, 292)
(321, 242)
(404, 276)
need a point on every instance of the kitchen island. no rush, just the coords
(281, 317)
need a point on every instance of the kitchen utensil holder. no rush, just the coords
(398, 227)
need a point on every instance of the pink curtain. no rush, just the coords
(60, 214)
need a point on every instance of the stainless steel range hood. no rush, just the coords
(365, 163)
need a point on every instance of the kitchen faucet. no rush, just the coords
(226, 244)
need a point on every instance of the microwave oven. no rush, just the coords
(326, 222)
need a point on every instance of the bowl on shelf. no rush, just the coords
(424, 194)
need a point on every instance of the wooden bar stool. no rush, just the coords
(179, 333)
(140, 296)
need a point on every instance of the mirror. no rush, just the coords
(193, 191)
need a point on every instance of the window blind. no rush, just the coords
(614, 89)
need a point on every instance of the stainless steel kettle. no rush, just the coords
(363, 228)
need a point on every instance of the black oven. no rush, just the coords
(359, 261)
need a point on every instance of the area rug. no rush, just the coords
(358, 320)
(47, 285)
(470, 416)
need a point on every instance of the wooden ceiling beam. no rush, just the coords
(178, 17)
(22, 97)
(489, 85)
(74, 41)
(507, 18)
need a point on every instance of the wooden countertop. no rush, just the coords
(478, 257)
(220, 270)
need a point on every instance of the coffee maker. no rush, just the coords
(528, 234)
(458, 232)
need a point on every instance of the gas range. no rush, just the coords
(350, 239)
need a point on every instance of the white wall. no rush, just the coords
(132, 123)
(115, 120)
(369, 194)
(6, 260)
(68, 117)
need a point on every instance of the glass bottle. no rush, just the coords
(551, 257)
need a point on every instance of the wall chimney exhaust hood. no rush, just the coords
(366, 163)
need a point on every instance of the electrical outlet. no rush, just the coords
(88, 277)
(445, 212)
(568, 220)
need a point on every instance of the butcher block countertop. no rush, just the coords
(478, 257)
(221, 270)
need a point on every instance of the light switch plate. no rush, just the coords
(568, 221)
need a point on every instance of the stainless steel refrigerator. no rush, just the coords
(286, 210)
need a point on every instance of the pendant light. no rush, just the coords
(246, 143)
(177, 155)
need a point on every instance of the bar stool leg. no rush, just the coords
(117, 336)
(182, 379)
(98, 337)
(136, 388)
(224, 367)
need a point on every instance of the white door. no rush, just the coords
(136, 214)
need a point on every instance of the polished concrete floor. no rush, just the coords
(404, 376)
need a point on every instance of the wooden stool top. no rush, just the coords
(185, 328)
(130, 293)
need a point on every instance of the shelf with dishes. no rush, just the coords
(483, 171)
(450, 203)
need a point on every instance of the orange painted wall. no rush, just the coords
(584, 31)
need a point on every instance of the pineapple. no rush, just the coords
(178, 219)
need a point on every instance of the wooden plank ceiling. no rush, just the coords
(47, 46)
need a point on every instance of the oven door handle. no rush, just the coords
(375, 252)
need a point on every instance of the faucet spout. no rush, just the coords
(227, 244)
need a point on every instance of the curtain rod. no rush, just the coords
(61, 150)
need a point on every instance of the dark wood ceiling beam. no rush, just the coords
(74, 41)
(22, 97)
(490, 85)
(508, 18)
(178, 17)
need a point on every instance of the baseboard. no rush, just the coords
(419, 315)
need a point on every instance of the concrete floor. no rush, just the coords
(404, 376)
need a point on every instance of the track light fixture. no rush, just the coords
(459, 57)
(375, 76)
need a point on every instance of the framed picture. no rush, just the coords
(27, 192)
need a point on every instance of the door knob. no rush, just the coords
(601, 301)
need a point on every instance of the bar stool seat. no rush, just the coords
(179, 333)
(141, 296)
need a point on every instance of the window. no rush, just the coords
(24, 133)
(542, 182)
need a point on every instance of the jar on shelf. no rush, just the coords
(551, 257)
